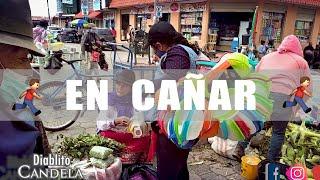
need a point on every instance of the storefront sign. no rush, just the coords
(96, 5)
(59, 7)
(103, 4)
(159, 11)
(150, 9)
(67, 1)
(192, 7)
(162, 8)
(85, 7)
(174, 7)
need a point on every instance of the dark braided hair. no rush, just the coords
(164, 33)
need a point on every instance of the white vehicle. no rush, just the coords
(54, 30)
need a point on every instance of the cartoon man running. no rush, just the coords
(28, 97)
(298, 95)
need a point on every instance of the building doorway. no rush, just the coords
(124, 27)
(165, 17)
(228, 25)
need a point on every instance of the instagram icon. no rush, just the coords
(296, 172)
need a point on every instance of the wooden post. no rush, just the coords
(315, 30)
(290, 20)
(205, 26)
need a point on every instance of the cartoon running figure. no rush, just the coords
(28, 97)
(298, 95)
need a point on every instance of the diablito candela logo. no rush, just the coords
(51, 167)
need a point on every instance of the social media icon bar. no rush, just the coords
(297, 172)
(272, 171)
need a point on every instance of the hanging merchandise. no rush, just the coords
(272, 26)
(191, 20)
(186, 127)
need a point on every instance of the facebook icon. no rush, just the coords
(272, 171)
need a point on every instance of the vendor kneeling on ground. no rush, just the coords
(114, 122)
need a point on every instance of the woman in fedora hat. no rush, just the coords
(21, 133)
(114, 122)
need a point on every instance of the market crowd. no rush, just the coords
(23, 134)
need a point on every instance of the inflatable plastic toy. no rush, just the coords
(186, 127)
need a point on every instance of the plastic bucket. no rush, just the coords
(249, 167)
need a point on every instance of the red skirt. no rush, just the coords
(136, 150)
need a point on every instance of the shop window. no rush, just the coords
(303, 30)
(228, 25)
(272, 24)
(191, 25)
(165, 17)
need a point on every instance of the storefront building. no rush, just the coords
(218, 22)
(109, 18)
(66, 10)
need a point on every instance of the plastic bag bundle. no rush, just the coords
(112, 172)
(100, 152)
(99, 163)
(224, 147)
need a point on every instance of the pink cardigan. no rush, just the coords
(286, 66)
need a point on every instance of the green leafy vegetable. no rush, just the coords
(80, 146)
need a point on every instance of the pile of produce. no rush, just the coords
(302, 145)
(80, 146)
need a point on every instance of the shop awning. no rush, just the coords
(315, 3)
(95, 15)
(92, 15)
(78, 16)
(128, 3)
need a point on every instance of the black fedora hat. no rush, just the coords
(16, 25)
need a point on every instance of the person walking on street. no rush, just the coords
(114, 33)
(40, 34)
(285, 67)
(88, 39)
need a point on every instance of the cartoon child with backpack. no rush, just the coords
(299, 94)
(28, 95)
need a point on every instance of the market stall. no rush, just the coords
(272, 26)
(304, 24)
(229, 21)
(273, 22)
(191, 20)
(95, 156)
